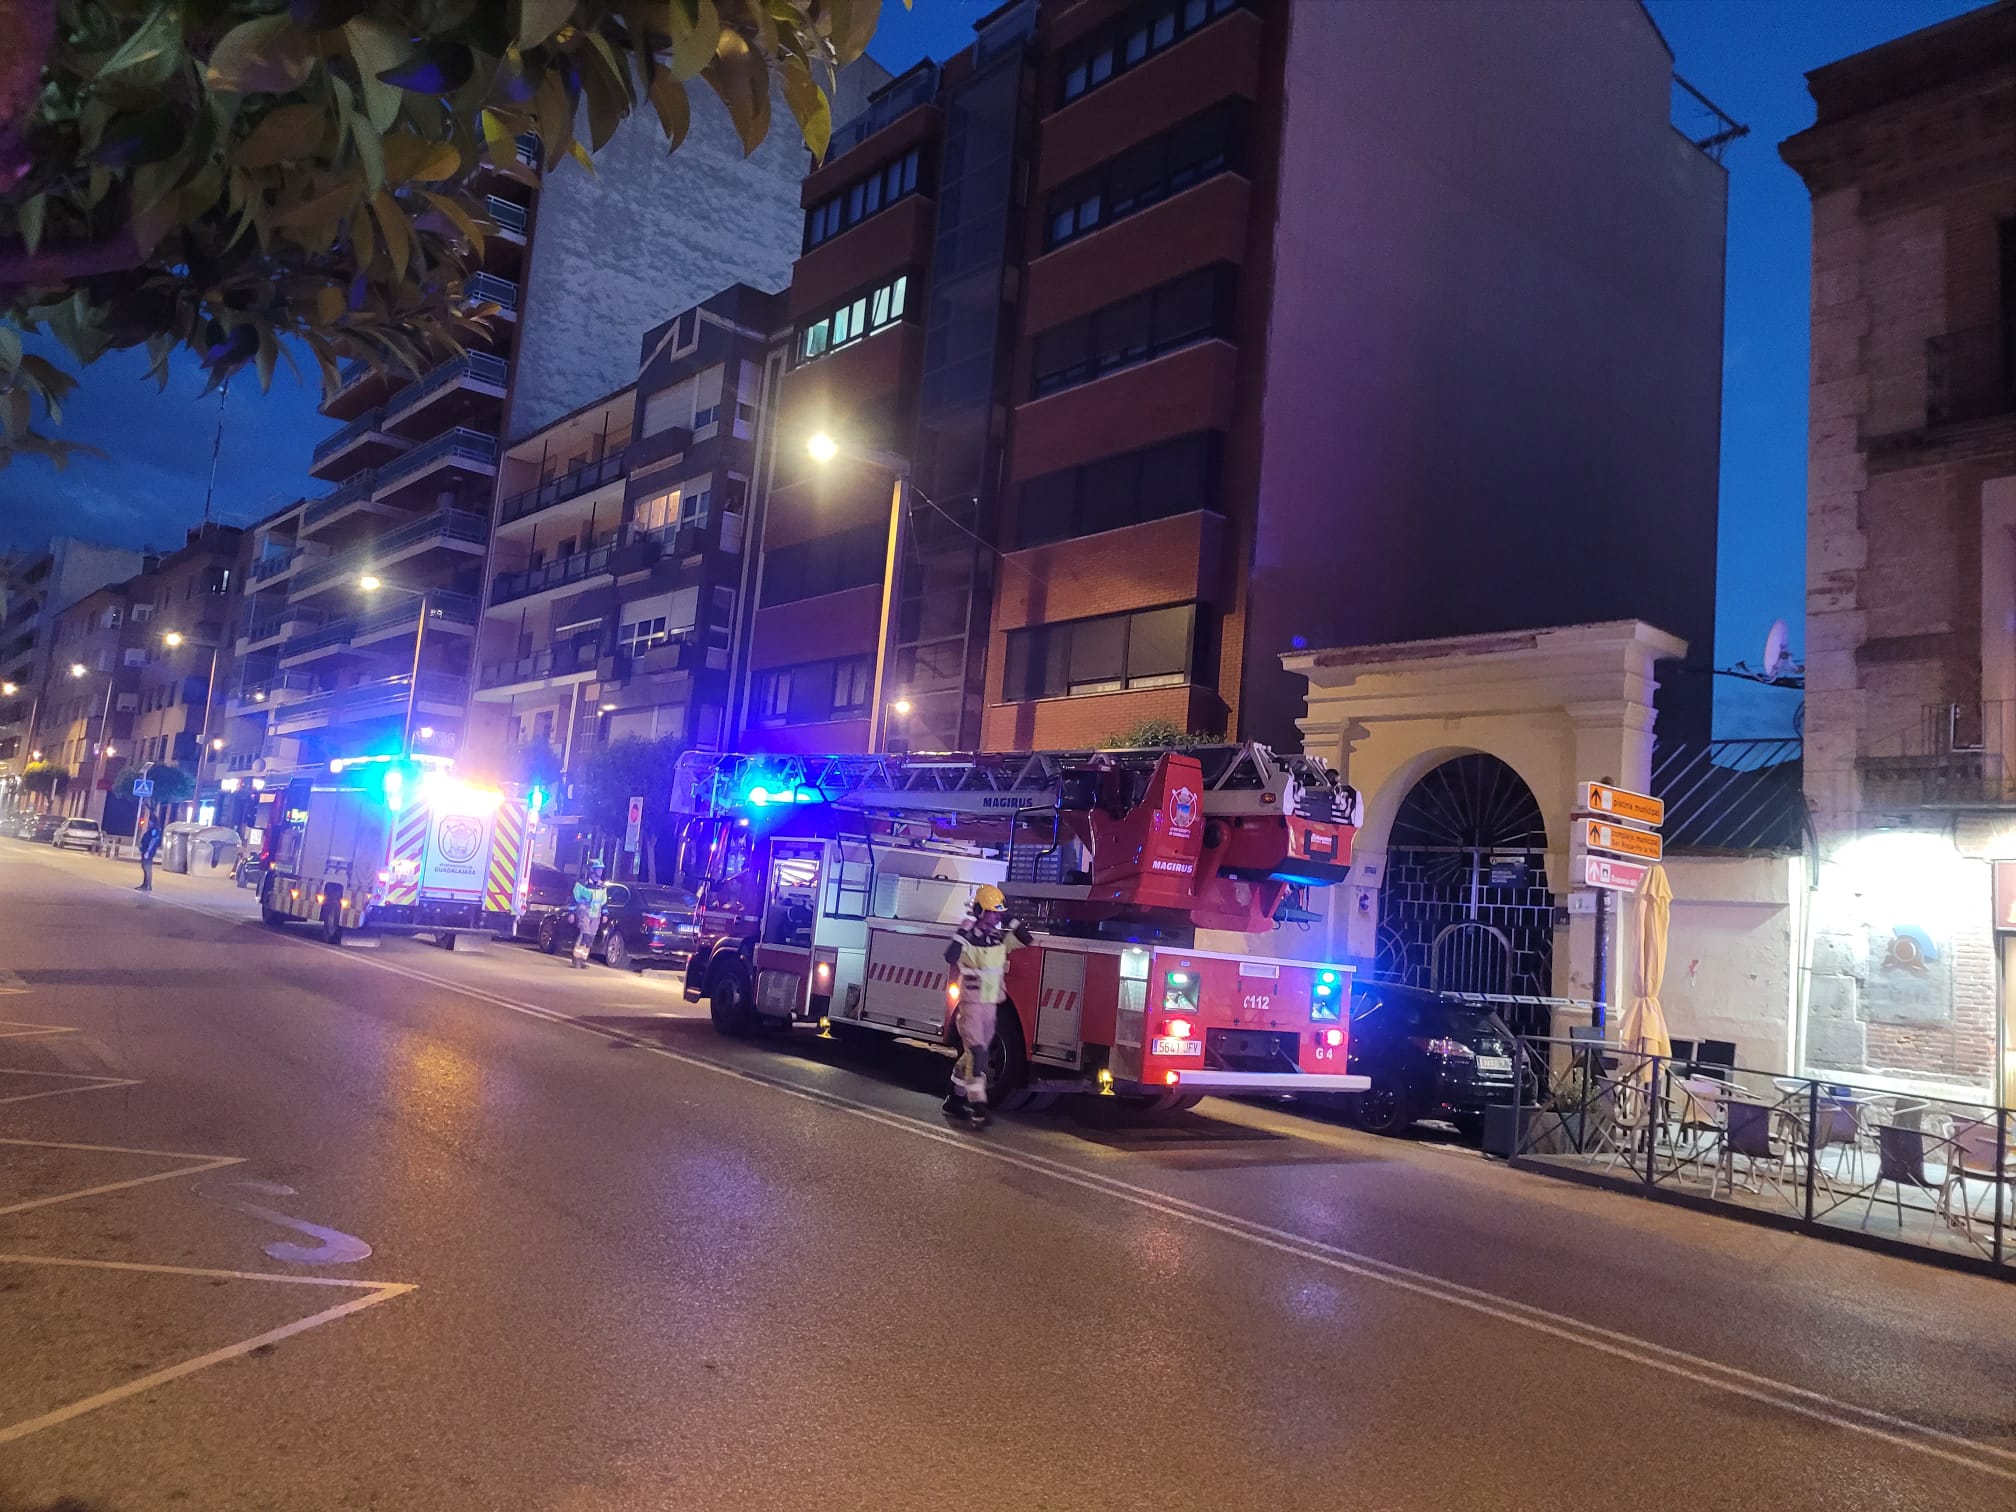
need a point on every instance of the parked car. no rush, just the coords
(549, 890)
(43, 830)
(1429, 1056)
(643, 925)
(77, 834)
(21, 824)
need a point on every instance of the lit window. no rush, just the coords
(773, 696)
(853, 683)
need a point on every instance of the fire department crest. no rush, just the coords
(458, 839)
(1182, 809)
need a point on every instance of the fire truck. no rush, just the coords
(1151, 880)
(393, 846)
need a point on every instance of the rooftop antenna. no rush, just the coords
(216, 446)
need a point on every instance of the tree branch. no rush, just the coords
(69, 261)
(29, 27)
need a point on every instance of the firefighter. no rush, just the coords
(978, 957)
(591, 896)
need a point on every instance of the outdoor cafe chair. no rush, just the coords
(1696, 1114)
(1975, 1154)
(1900, 1162)
(1631, 1120)
(1747, 1133)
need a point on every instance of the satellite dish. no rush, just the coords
(1775, 653)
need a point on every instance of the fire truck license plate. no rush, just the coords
(1167, 1046)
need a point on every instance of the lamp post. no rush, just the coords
(825, 449)
(372, 584)
(104, 747)
(173, 639)
(34, 714)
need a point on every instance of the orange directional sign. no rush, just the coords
(1601, 834)
(1613, 876)
(1622, 803)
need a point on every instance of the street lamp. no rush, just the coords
(173, 639)
(34, 714)
(824, 449)
(104, 747)
(371, 583)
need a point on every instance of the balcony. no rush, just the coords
(498, 681)
(583, 567)
(275, 627)
(571, 485)
(1958, 756)
(445, 611)
(269, 692)
(343, 516)
(332, 639)
(360, 387)
(454, 457)
(488, 288)
(1971, 375)
(509, 218)
(457, 531)
(464, 388)
(439, 693)
(360, 444)
(270, 565)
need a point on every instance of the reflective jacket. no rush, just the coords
(979, 953)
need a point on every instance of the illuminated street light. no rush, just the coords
(369, 583)
(34, 755)
(822, 447)
(901, 707)
(10, 689)
(173, 637)
(217, 745)
(78, 669)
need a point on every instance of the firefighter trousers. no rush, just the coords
(975, 1023)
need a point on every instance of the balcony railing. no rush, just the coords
(1971, 375)
(479, 367)
(363, 700)
(272, 624)
(337, 633)
(442, 608)
(569, 485)
(557, 574)
(458, 445)
(269, 565)
(554, 661)
(357, 487)
(503, 214)
(371, 420)
(1958, 756)
(444, 524)
(488, 288)
(273, 688)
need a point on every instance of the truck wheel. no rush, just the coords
(332, 922)
(852, 1036)
(270, 916)
(1008, 1063)
(732, 1014)
(616, 952)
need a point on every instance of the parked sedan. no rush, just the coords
(77, 834)
(643, 925)
(1428, 1056)
(550, 891)
(43, 830)
(20, 824)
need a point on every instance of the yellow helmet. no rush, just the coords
(989, 899)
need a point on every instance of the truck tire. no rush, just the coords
(732, 1012)
(1008, 1063)
(270, 916)
(332, 920)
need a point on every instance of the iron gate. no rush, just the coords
(1466, 906)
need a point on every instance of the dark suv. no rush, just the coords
(1428, 1056)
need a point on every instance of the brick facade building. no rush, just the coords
(1911, 553)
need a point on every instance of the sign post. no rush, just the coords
(1624, 824)
(633, 830)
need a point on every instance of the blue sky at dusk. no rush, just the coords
(1746, 55)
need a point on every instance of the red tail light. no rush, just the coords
(656, 921)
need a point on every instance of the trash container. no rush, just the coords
(174, 855)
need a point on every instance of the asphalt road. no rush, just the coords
(283, 1226)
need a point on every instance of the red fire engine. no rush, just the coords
(832, 885)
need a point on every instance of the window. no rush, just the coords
(671, 406)
(659, 512)
(861, 199)
(829, 564)
(858, 317)
(1132, 41)
(773, 695)
(1204, 145)
(1150, 648)
(853, 684)
(142, 613)
(1192, 308)
(707, 402)
(136, 657)
(639, 636)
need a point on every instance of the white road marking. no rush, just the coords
(1872, 1423)
(12, 1030)
(375, 1292)
(92, 1084)
(201, 1164)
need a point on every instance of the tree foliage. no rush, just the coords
(610, 776)
(223, 175)
(1150, 733)
(171, 783)
(45, 779)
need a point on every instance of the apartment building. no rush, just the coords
(618, 549)
(90, 696)
(34, 587)
(181, 617)
(1911, 560)
(1208, 329)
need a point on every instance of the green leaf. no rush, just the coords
(266, 56)
(608, 102)
(34, 213)
(397, 233)
(10, 348)
(151, 54)
(738, 75)
(326, 208)
(556, 117)
(286, 135)
(808, 103)
(457, 216)
(410, 159)
(377, 46)
(675, 111)
(539, 19)
(853, 26)
(695, 38)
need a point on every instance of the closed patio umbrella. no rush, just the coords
(1644, 1027)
